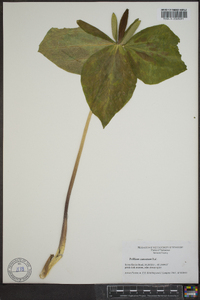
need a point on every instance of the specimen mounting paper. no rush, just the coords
(137, 177)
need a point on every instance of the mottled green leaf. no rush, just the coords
(108, 82)
(122, 25)
(93, 30)
(69, 48)
(114, 26)
(130, 31)
(154, 54)
(109, 70)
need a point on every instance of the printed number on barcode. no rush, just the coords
(174, 14)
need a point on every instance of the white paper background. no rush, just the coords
(137, 178)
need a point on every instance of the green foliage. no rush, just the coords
(93, 30)
(109, 69)
(112, 81)
(69, 48)
(154, 54)
(130, 31)
(114, 26)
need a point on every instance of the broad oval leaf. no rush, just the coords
(69, 48)
(154, 54)
(108, 82)
(93, 30)
(130, 31)
(114, 26)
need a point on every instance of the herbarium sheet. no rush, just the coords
(133, 210)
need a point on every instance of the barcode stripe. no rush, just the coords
(174, 14)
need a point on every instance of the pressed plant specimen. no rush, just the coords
(109, 70)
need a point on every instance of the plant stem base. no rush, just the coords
(52, 260)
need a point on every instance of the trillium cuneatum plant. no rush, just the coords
(109, 70)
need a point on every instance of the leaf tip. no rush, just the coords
(78, 22)
(126, 11)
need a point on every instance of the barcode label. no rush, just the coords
(173, 14)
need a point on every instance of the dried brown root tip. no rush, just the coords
(51, 261)
(44, 272)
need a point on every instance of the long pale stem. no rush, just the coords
(52, 260)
